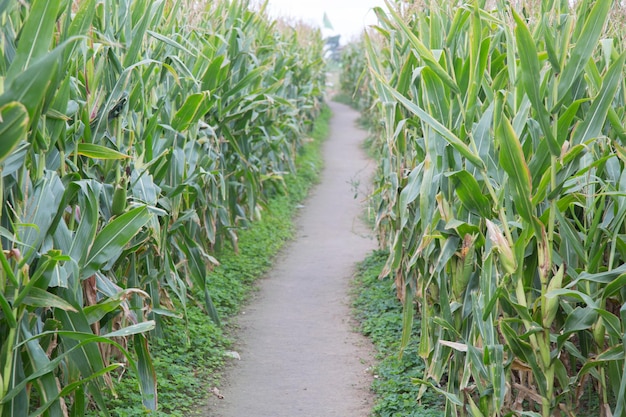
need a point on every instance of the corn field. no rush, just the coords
(136, 137)
(502, 197)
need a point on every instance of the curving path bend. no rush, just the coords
(300, 356)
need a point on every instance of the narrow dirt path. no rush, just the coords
(299, 354)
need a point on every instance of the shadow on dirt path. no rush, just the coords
(300, 356)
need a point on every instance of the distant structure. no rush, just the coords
(332, 47)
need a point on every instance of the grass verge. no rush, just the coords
(189, 356)
(380, 315)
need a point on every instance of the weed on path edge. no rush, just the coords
(380, 315)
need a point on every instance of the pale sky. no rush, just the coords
(348, 17)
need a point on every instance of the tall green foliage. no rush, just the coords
(354, 79)
(502, 199)
(137, 136)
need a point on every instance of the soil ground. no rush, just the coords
(300, 354)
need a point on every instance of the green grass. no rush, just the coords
(380, 315)
(188, 358)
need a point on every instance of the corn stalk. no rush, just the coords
(135, 142)
(502, 200)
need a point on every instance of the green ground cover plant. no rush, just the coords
(380, 316)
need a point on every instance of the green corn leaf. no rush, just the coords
(484, 140)
(450, 137)
(37, 359)
(569, 235)
(470, 193)
(196, 262)
(69, 388)
(13, 127)
(131, 330)
(169, 41)
(40, 214)
(118, 97)
(461, 15)
(7, 270)
(477, 62)
(251, 79)
(87, 337)
(440, 321)
(16, 159)
(139, 31)
(421, 49)
(614, 287)
(406, 75)
(429, 185)
(194, 108)
(97, 311)
(85, 356)
(586, 44)
(49, 366)
(492, 303)
(4, 4)
(574, 294)
(146, 374)
(524, 351)
(549, 39)
(578, 320)
(565, 120)
(81, 23)
(454, 399)
(438, 104)
(497, 374)
(37, 297)
(79, 404)
(531, 77)
(410, 192)
(30, 86)
(620, 408)
(594, 122)
(215, 74)
(7, 310)
(513, 162)
(473, 408)
(612, 323)
(408, 310)
(94, 151)
(35, 37)
(88, 198)
(612, 354)
(426, 343)
(112, 239)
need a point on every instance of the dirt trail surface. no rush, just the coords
(299, 354)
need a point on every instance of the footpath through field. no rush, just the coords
(299, 354)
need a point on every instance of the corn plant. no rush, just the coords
(501, 188)
(354, 78)
(134, 142)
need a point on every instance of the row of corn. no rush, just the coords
(502, 198)
(135, 138)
